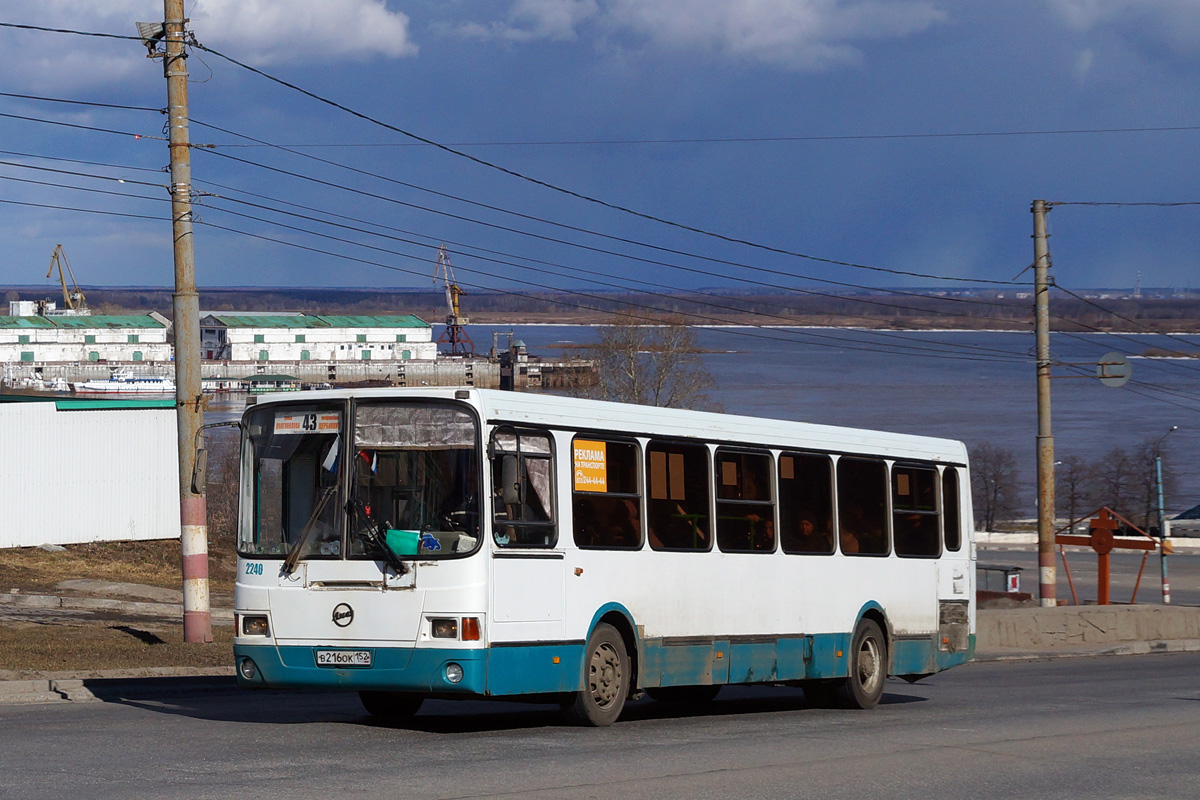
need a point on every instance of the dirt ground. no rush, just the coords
(81, 642)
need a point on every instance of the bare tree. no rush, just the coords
(1115, 475)
(656, 365)
(1145, 481)
(1074, 486)
(994, 482)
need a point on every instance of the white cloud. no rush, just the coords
(1083, 65)
(1170, 24)
(797, 34)
(257, 31)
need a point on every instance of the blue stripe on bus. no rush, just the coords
(531, 669)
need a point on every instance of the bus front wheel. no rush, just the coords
(605, 680)
(868, 666)
(391, 705)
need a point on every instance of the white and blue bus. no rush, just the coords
(461, 543)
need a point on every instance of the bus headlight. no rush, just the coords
(454, 673)
(443, 628)
(248, 669)
(255, 626)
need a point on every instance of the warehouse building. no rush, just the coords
(300, 337)
(38, 339)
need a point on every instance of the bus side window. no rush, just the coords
(607, 501)
(522, 488)
(745, 509)
(677, 504)
(951, 516)
(805, 503)
(862, 488)
(915, 528)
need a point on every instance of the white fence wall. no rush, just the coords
(70, 476)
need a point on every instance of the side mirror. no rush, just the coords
(511, 486)
(200, 472)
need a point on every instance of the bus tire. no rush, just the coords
(606, 676)
(391, 705)
(684, 695)
(868, 666)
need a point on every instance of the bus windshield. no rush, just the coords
(416, 478)
(290, 466)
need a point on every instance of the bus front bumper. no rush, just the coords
(396, 669)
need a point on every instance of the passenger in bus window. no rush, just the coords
(813, 539)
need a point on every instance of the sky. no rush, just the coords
(624, 143)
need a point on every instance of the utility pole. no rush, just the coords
(1163, 530)
(189, 400)
(1047, 575)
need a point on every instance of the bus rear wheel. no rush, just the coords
(868, 666)
(391, 705)
(605, 680)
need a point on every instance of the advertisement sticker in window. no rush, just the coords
(591, 466)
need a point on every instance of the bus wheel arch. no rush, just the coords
(624, 627)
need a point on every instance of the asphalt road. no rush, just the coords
(1069, 728)
(1182, 570)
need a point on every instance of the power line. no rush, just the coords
(127, 167)
(568, 243)
(1122, 317)
(761, 139)
(562, 190)
(921, 345)
(80, 102)
(750, 312)
(93, 128)
(653, 262)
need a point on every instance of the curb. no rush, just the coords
(1124, 649)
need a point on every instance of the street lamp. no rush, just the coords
(1162, 523)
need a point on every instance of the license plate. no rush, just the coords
(343, 658)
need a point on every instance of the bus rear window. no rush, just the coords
(607, 505)
(951, 518)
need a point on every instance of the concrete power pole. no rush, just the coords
(1047, 575)
(189, 399)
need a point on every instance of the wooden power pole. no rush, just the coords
(189, 399)
(1047, 575)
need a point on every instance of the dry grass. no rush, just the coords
(28, 649)
(154, 563)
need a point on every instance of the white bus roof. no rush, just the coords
(670, 423)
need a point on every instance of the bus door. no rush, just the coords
(528, 570)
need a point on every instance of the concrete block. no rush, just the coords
(73, 690)
(23, 692)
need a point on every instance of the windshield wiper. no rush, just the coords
(293, 556)
(374, 534)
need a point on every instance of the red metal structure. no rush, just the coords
(1102, 537)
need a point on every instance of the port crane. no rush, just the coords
(73, 297)
(455, 334)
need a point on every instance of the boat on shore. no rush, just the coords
(123, 382)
